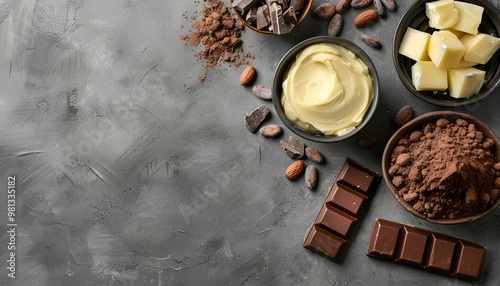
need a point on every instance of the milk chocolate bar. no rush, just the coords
(427, 250)
(341, 210)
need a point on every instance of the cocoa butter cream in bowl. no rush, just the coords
(443, 167)
(325, 89)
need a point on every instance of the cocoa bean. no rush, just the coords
(270, 131)
(324, 11)
(367, 141)
(359, 4)
(374, 43)
(335, 25)
(343, 5)
(403, 116)
(379, 7)
(314, 155)
(262, 92)
(311, 177)
(390, 5)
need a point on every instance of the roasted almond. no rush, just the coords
(247, 75)
(343, 5)
(294, 170)
(365, 18)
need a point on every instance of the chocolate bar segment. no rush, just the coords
(469, 260)
(336, 221)
(413, 246)
(323, 242)
(440, 256)
(386, 244)
(340, 211)
(345, 198)
(356, 176)
(427, 250)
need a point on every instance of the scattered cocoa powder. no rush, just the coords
(219, 33)
(446, 169)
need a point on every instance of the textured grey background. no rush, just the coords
(132, 172)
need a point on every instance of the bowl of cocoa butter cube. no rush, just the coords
(447, 52)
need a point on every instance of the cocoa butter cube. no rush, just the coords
(293, 147)
(251, 14)
(289, 16)
(256, 117)
(263, 19)
(244, 5)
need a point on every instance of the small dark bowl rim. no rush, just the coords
(285, 62)
(404, 22)
(303, 14)
(411, 126)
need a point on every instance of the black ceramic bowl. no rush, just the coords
(287, 60)
(415, 17)
(414, 125)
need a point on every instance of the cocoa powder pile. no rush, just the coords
(446, 169)
(219, 33)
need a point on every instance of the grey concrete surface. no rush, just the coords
(129, 171)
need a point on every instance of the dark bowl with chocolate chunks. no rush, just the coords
(444, 167)
(271, 16)
(341, 103)
(415, 18)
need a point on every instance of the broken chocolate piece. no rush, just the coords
(251, 14)
(293, 147)
(277, 21)
(290, 16)
(297, 4)
(256, 117)
(283, 4)
(263, 18)
(243, 5)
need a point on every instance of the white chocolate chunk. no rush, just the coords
(465, 82)
(480, 48)
(445, 49)
(414, 44)
(442, 14)
(426, 76)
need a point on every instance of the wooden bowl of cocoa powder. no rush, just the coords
(434, 169)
